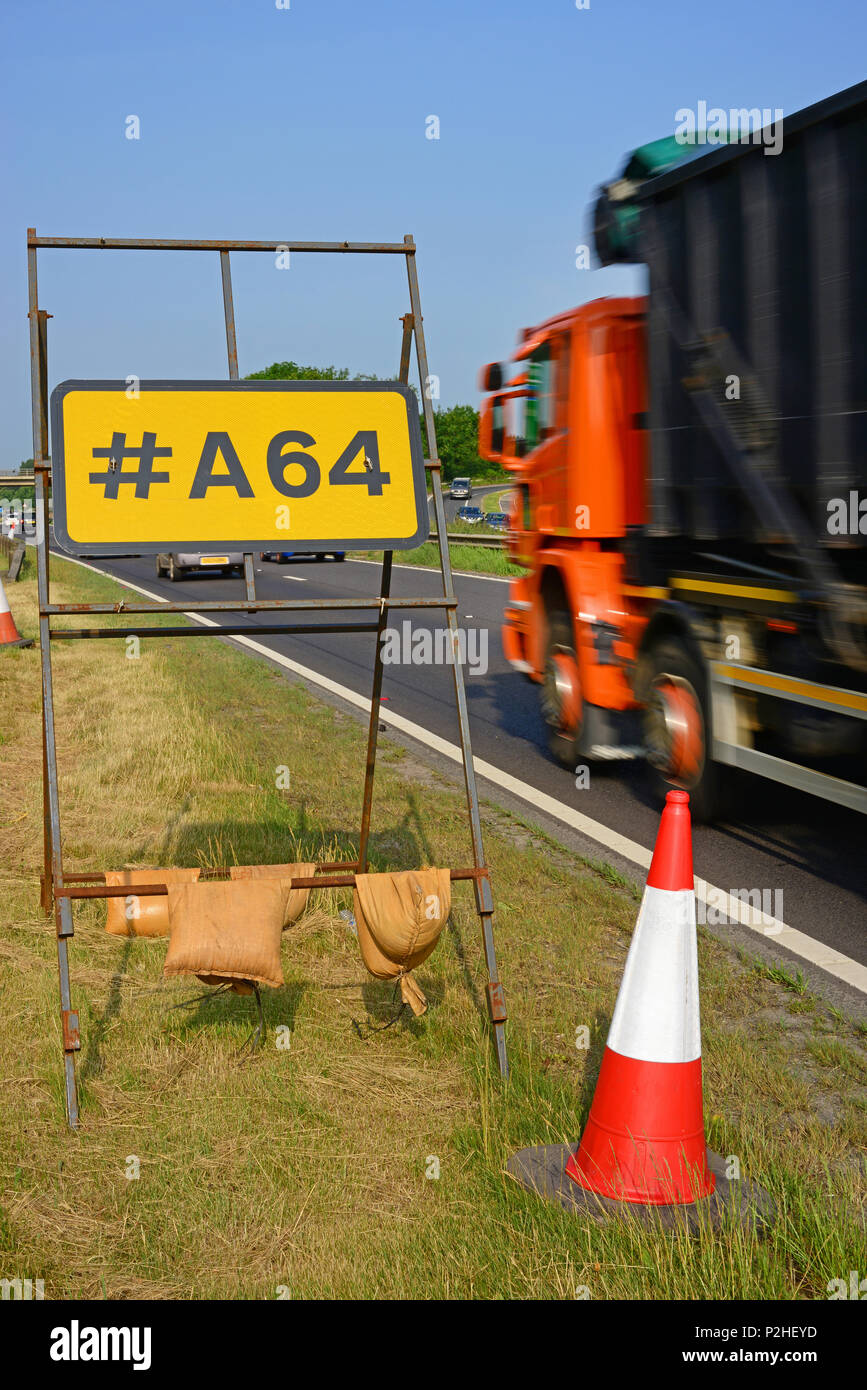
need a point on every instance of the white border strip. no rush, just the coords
(851, 972)
(656, 1018)
(434, 569)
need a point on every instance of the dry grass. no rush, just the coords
(306, 1168)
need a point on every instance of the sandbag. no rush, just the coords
(144, 916)
(297, 899)
(227, 931)
(399, 918)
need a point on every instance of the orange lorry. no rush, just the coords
(678, 463)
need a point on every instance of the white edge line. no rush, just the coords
(851, 972)
(432, 569)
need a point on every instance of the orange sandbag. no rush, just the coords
(399, 918)
(132, 916)
(227, 931)
(297, 899)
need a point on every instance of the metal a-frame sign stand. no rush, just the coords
(60, 889)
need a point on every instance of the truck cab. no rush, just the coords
(568, 422)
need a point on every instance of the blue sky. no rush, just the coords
(309, 123)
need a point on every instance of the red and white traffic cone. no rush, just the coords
(644, 1140)
(9, 634)
(643, 1154)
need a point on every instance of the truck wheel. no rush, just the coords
(677, 727)
(562, 702)
(175, 571)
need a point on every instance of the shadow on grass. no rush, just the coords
(94, 1063)
(269, 839)
(386, 1011)
(598, 1037)
(279, 1009)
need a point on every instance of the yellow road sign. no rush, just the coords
(242, 465)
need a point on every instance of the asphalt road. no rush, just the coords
(778, 839)
(452, 504)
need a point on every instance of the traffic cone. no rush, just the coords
(644, 1140)
(9, 634)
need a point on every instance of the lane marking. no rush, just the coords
(833, 962)
(432, 569)
(298, 578)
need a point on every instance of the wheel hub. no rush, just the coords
(561, 693)
(675, 730)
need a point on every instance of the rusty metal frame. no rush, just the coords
(59, 889)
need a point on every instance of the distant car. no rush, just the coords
(461, 487)
(498, 520)
(281, 556)
(176, 564)
(471, 514)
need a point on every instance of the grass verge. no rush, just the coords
(312, 1167)
(476, 559)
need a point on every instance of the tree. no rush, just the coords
(458, 442)
(291, 371)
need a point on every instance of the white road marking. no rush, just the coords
(807, 947)
(432, 569)
(299, 578)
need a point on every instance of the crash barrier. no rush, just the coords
(643, 1149)
(104, 440)
(485, 542)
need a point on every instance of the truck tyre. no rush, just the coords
(562, 703)
(677, 727)
(175, 571)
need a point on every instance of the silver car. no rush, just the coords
(177, 564)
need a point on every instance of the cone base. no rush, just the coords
(542, 1171)
(684, 1189)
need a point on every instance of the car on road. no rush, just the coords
(461, 487)
(176, 564)
(473, 515)
(499, 521)
(281, 556)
